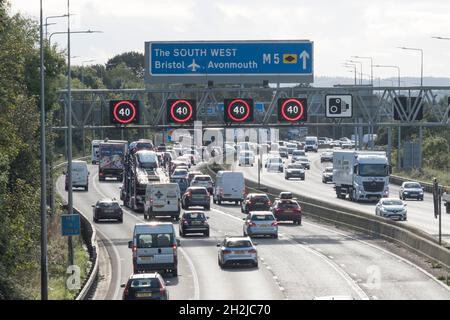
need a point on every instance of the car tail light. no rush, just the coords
(269, 203)
(162, 291)
(277, 210)
(126, 292)
(221, 190)
(101, 174)
(174, 247)
(134, 249)
(226, 251)
(274, 224)
(252, 251)
(252, 224)
(205, 221)
(185, 221)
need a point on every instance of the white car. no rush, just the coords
(391, 208)
(203, 181)
(274, 164)
(298, 154)
(246, 158)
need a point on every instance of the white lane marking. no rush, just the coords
(384, 251)
(116, 253)
(188, 259)
(341, 272)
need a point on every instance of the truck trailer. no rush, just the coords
(141, 168)
(362, 175)
(111, 159)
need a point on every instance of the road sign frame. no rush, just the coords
(70, 225)
(172, 103)
(281, 113)
(249, 115)
(114, 106)
(232, 77)
(330, 116)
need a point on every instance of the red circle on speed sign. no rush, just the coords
(295, 117)
(183, 103)
(127, 105)
(233, 117)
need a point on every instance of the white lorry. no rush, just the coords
(362, 175)
(311, 144)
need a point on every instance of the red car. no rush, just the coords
(287, 210)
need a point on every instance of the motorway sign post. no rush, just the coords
(288, 61)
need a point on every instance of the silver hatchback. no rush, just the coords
(260, 223)
(237, 250)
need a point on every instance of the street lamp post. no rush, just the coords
(385, 66)
(361, 68)
(64, 32)
(351, 65)
(421, 61)
(44, 262)
(371, 66)
(47, 24)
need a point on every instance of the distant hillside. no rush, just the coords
(323, 81)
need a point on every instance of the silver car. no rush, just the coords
(260, 223)
(391, 208)
(237, 250)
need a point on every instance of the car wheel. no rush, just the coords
(275, 236)
(219, 263)
(86, 188)
(219, 202)
(120, 220)
(175, 273)
(286, 178)
(66, 188)
(255, 264)
(207, 208)
(421, 199)
(206, 234)
(95, 220)
(182, 234)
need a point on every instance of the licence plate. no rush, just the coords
(148, 259)
(109, 211)
(159, 205)
(196, 222)
(227, 194)
(143, 294)
(240, 252)
(264, 225)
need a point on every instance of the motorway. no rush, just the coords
(305, 262)
(420, 213)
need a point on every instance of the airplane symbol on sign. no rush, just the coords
(194, 66)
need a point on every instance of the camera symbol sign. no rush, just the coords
(339, 106)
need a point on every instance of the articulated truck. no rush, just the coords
(362, 175)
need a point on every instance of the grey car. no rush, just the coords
(260, 223)
(294, 170)
(411, 190)
(391, 208)
(304, 161)
(196, 196)
(107, 209)
(236, 251)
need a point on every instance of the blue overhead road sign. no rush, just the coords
(229, 61)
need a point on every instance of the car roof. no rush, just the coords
(153, 275)
(237, 238)
(390, 199)
(197, 188)
(194, 211)
(107, 200)
(266, 213)
(257, 194)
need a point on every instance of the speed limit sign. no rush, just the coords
(238, 110)
(124, 112)
(181, 110)
(292, 110)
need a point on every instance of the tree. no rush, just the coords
(134, 60)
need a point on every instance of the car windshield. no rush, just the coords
(238, 244)
(287, 205)
(260, 198)
(194, 216)
(180, 172)
(109, 205)
(298, 153)
(373, 170)
(145, 283)
(282, 149)
(305, 159)
(142, 145)
(392, 202)
(413, 186)
(262, 217)
(328, 169)
(295, 166)
(155, 240)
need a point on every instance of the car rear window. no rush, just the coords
(145, 283)
(392, 202)
(288, 205)
(154, 240)
(295, 166)
(260, 198)
(412, 185)
(262, 217)
(199, 191)
(194, 216)
(109, 205)
(180, 172)
(238, 244)
(203, 179)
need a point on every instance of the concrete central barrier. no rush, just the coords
(409, 237)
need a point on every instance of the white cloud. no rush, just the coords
(339, 29)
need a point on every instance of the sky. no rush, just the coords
(339, 29)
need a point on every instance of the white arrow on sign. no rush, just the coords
(304, 55)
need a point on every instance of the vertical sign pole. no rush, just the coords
(439, 212)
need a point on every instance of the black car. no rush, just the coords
(145, 286)
(196, 196)
(255, 202)
(107, 209)
(194, 222)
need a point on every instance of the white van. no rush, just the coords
(162, 199)
(80, 175)
(154, 248)
(230, 186)
(95, 154)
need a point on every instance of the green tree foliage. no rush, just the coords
(133, 60)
